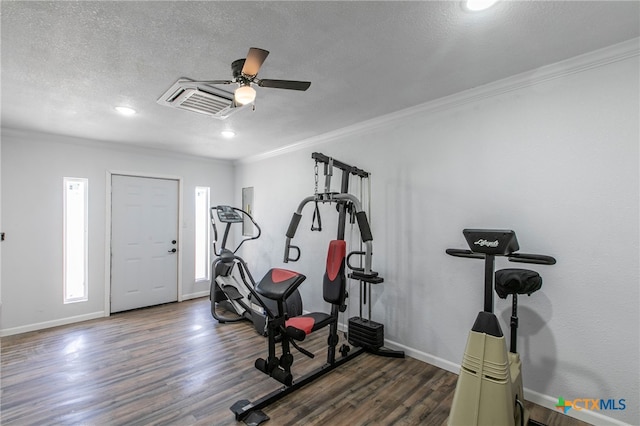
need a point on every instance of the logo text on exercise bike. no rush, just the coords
(484, 243)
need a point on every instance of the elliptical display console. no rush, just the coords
(227, 214)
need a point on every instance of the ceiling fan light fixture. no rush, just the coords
(245, 94)
(228, 133)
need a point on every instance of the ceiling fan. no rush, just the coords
(245, 72)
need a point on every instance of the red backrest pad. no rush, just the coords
(335, 256)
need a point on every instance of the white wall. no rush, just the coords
(33, 166)
(553, 155)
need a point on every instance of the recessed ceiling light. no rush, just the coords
(228, 133)
(478, 5)
(125, 110)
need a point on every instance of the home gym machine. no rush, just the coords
(365, 335)
(489, 389)
(226, 293)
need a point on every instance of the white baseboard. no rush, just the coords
(78, 318)
(591, 417)
(195, 295)
(49, 324)
(425, 357)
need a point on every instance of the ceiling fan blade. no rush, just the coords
(213, 82)
(285, 84)
(254, 61)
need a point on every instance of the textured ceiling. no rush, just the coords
(65, 65)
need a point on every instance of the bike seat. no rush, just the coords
(517, 281)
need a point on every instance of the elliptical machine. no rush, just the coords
(225, 291)
(489, 389)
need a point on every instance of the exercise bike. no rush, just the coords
(489, 389)
(232, 301)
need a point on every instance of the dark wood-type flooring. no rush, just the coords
(174, 364)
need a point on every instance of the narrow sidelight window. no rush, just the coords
(75, 239)
(202, 233)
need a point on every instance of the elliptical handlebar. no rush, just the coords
(230, 215)
(250, 284)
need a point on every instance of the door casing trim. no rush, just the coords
(107, 227)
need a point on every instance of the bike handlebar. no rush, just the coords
(539, 259)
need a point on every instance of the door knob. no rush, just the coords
(173, 250)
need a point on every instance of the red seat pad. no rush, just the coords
(280, 275)
(301, 323)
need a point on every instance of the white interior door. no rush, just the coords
(144, 234)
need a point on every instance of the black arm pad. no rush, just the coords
(293, 225)
(540, 259)
(363, 224)
(464, 253)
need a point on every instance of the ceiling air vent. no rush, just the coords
(201, 98)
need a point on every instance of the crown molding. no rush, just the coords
(595, 59)
(34, 135)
